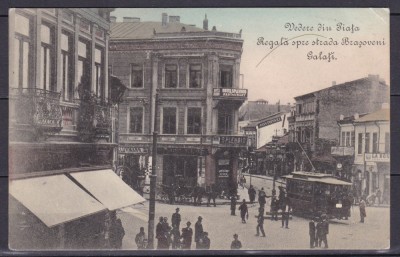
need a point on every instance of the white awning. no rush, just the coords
(141, 214)
(108, 188)
(54, 199)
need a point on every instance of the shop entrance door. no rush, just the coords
(180, 170)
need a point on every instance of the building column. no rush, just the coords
(92, 57)
(75, 57)
(154, 87)
(236, 74)
(37, 44)
(105, 67)
(58, 54)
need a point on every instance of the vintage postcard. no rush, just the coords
(177, 129)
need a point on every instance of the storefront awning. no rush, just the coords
(54, 199)
(108, 188)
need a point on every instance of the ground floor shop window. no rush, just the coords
(180, 170)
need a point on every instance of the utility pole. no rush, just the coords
(153, 179)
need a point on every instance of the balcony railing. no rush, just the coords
(230, 93)
(211, 140)
(35, 109)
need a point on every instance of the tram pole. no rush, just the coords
(153, 179)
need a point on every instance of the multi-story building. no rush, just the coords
(372, 152)
(60, 130)
(315, 120)
(184, 84)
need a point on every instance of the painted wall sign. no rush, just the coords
(269, 122)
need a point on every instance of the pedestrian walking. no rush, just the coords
(286, 214)
(323, 231)
(260, 223)
(236, 244)
(140, 239)
(198, 231)
(378, 196)
(171, 194)
(117, 233)
(363, 212)
(176, 219)
(319, 228)
(312, 232)
(261, 198)
(211, 194)
(195, 193)
(252, 194)
(187, 234)
(244, 211)
(233, 205)
(160, 234)
(204, 242)
(274, 208)
(175, 237)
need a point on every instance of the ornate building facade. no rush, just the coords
(184, 84)
(60, 129)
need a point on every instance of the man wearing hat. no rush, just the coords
(198, 231)
(236, 244)
(187, 234)
(176, 219)
(312, 232)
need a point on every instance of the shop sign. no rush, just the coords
(230, 92)
(269, 122)
(342, 150)
(377, 157)
(132, 149)
(233, 140)
(223, 162)
(182, 151)
(223, 173)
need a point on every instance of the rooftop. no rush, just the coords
(380, 115)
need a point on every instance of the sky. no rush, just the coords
(281, 72)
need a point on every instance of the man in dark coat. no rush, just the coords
(363, 212)
(261, 198)
(233, 205)
(323, 230)
(160, 234)
(252, 194)
(211, 194)
(176, 219)
(198, 231)
(312, 233)
(260, 223)
(187, 234)
(286, 214)
(243, 211)
(378, 196)
(274, 208)
(117, 233)
(236, 244)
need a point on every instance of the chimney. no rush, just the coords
(214, 28)
(164, 19)
(356, 116)
(333, 83)
(341, 117)
(205, 23)
(174, 19)
(131, 19)
(385, 106)
(113, 19)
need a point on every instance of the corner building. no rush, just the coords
(195, 72)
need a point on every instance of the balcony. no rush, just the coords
(230, 96)
(342, 151)
(34, 112)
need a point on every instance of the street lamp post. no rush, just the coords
(153, 179)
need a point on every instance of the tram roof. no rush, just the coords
(317, 177)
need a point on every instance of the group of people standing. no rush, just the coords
(168, 236)
(318, 231)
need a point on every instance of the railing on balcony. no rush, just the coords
(36, 110)
(230, 93)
